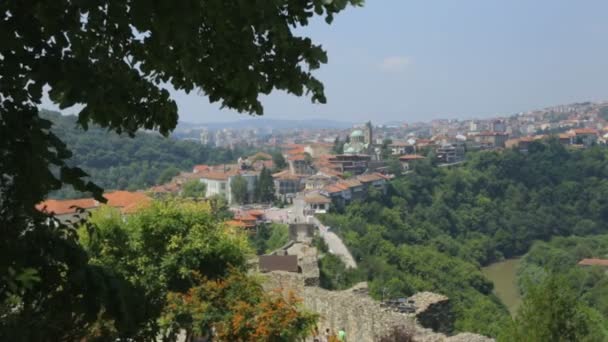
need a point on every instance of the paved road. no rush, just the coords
(335, 244)
(295, 214)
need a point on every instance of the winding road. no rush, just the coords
(295, 214)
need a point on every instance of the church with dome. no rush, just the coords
(361, 141)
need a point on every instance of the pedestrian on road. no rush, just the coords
(342, 335)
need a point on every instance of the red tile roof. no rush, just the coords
(61, 207)
(285, 175)
(584, 131)
(299, 156)
(127, 201)
(256, 213)
(372, 177)
(219, 175)
(408, 157)
(236, 223)
(200, 168)
(594, 262)
(316, 198)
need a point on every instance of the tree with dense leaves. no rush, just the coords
(238, 189)
(279, 161)
(264, 190)
(552, 312)
(194, 188)
(115, 59)
(161, 249)
(338, 147)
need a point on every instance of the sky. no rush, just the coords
(416, 60)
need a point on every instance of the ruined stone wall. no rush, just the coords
(434, 311)
(362, 317)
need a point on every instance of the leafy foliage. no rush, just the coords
(120, 162)
(237, 309)
(269, 237)
(115, 59)
(436, 226)
(278, 160)
(560, 257)
(238, 187)
(187, 271)
(194, 189)
(264, 190)
(551, 312)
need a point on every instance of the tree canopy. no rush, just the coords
(183, 270)
(116, 59)
(436, 226)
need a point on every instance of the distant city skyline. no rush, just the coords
(417, 61)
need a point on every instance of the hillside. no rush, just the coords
(120, 162)
(437, 226)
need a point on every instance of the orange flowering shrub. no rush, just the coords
(238, 309)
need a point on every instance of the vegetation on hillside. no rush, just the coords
(119, 162)
(437, 226)
(184, 270)
(559, 257)
(269, 237)
(116, 59)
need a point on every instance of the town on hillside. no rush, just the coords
(315, 169)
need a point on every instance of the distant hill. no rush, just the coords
(119, 162)
(265, 123)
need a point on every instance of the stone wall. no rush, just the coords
(363, 318)
(434, 311)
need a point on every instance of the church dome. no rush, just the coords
(356, 133)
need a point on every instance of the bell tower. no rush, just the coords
(369, 137)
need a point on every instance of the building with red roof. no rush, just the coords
(126, 201)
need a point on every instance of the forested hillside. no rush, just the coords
(560, 257)
(437, 225)
(120, 162)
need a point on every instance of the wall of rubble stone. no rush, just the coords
(362, 317)
(434, 311)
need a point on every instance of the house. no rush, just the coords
(286, 184)
(373, 180)
(355, 164)
(448, 154)
(339, 193)
(408, 160)
(399, 148)
(200, 168)
(300, 164)
(68, 210)
(318, 149)
(318, 181)
(246, 219)
(584, 136)
(315, 203)
(491, 139)
(219, 183)
(523, 143)
(594, 262)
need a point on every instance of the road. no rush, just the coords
(295, 214)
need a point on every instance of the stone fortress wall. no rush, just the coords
(363, 318)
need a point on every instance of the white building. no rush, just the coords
(219, 183)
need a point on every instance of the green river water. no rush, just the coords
(503, 275)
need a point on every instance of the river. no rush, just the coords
(503, 275)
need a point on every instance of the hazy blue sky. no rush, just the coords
(415, 60)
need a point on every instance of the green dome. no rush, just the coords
(356, 133)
